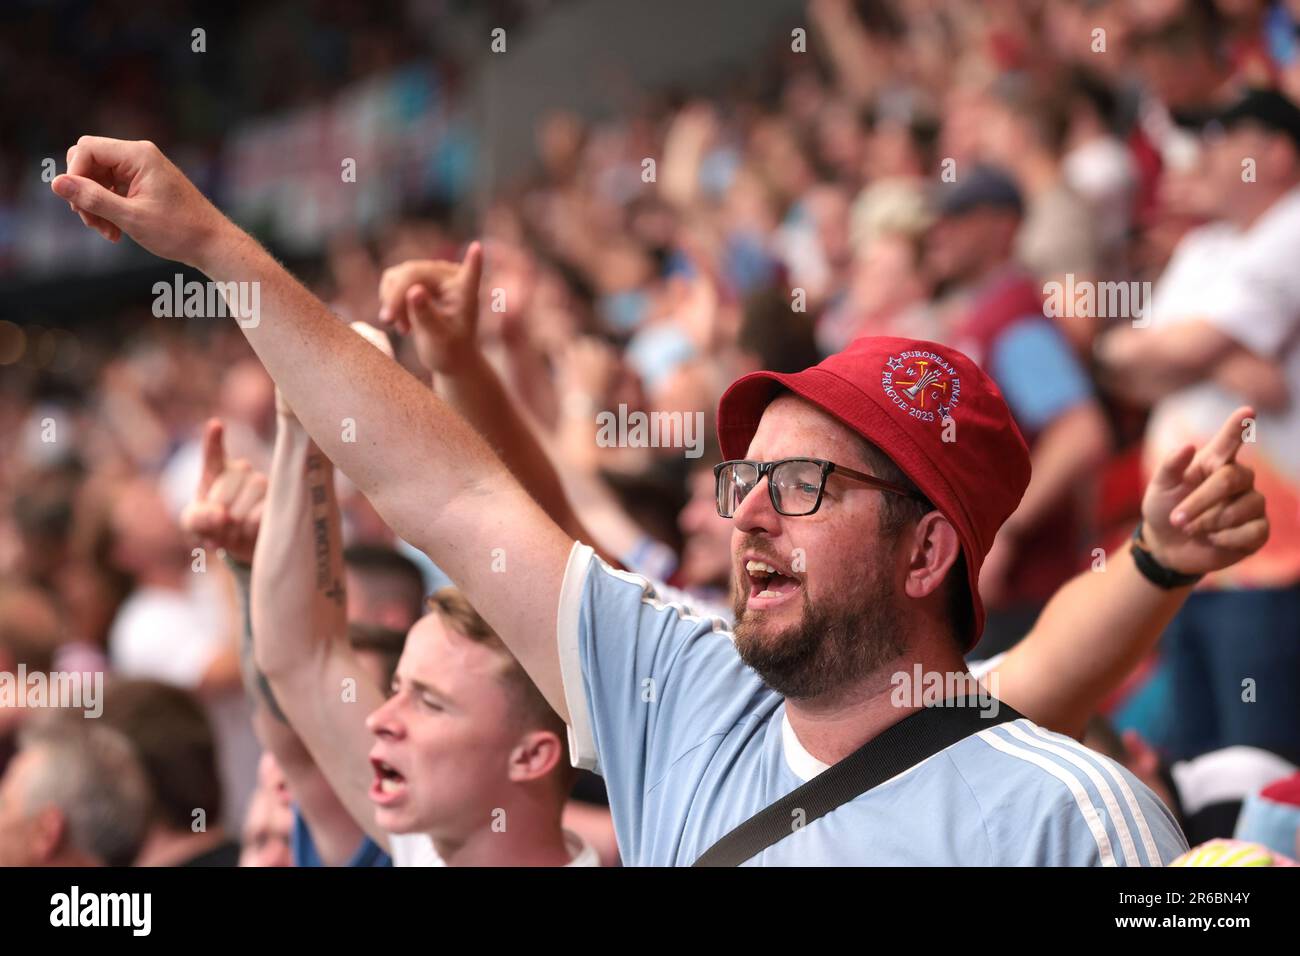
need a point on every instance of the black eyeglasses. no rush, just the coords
(795, 485)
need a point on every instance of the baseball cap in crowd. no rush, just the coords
(1267, 108)
(896, 205)
(981, 187)
(899, 394)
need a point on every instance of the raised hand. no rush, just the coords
(1201, 512)
(227, 508)
(119, 186)
(437, 302)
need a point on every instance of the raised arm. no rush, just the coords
(1200, 513)
(300, 621)
(226, 514)
(438, 303)
(426, 471)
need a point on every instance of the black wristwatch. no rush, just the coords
(1154, 571)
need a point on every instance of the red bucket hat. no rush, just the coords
(899, 394)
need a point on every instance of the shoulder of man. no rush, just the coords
(1047, 800)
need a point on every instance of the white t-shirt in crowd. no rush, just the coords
(416, 849)
(1246, 284)
(173, 636)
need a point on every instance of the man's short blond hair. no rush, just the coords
(529, 705)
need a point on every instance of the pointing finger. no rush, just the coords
(1223, 447)
(214, 455)
(471, 267)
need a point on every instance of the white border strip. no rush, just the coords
(582, 741)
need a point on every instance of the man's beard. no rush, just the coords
(829, 648)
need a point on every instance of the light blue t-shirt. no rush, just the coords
(1038, 373)
(303, 845)
(691, 743)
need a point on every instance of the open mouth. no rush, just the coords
(768, 585)
(389, 785)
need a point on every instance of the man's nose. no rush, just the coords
(755, 514)
(383, 721)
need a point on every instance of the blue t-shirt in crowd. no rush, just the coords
(1039, 375)
(369, 853)
(691, 743)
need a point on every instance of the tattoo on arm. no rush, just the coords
(256, 686)
(324, 514)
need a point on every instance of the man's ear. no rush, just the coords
(536, 755)
(935, 548)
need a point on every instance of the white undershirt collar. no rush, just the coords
(801, 763)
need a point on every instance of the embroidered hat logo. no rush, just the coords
(923, 384)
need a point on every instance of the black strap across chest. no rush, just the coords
(904, 745)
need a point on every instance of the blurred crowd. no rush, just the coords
(916, 167)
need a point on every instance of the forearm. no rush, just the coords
(1068, 452)
(606, 525)
(333, 830)
(370, 416)
(430, 476)
(300, 626)
(1258, 381)
(526, 369)
(256, 686)
(477, 393)
(1147, 364)
(297, 581)
(1087, 640)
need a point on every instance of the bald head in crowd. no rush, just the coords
(75, 795)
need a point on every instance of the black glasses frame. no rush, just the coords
(766, 469)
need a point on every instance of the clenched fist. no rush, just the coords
(118, 186)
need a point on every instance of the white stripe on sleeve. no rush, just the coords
(1127, 847)
(1144, 831)
(1077, 790)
